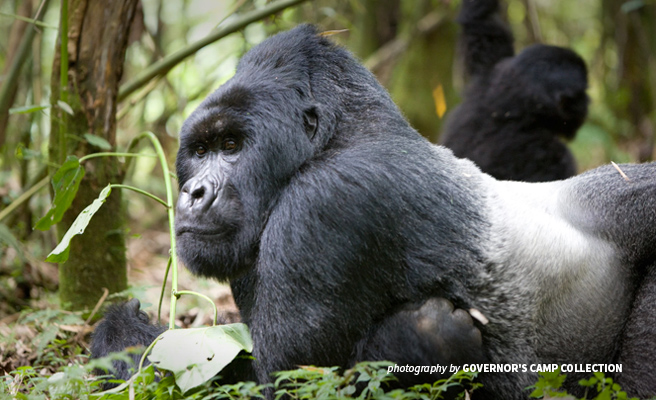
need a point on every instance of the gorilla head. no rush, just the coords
(244, 142)
(250, 137)
(543, 86)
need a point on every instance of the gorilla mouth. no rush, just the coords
(195, 231)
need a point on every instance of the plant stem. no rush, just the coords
(113, 154)
(33, 21)
(203, 297)
(24, 197)
(171, 214)
(135, 189)
(161, 295)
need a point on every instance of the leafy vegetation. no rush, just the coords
(597, 387)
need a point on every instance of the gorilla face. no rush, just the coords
(543, 86)
(237, 151)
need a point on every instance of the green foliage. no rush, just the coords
(65, 184)
(605, 387)
(549, 385)
(23, 153)
(195, 356)
(149, 385)
(367, 380)
(72, 382)
(47, 324)
(56, 369)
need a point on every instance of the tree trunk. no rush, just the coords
(97, 40)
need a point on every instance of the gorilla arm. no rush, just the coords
(485, 38)
(329, 287)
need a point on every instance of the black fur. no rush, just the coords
(338, 226)
(432, 333)
(638, 343)
(124, 325)
(516, 109)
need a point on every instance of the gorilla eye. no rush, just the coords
(200, 150)
(229, 144)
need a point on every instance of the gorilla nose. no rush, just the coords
(197, 194)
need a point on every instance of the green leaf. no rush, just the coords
(604, 395)
(65, 183)
(64, 106)
(195, 356)
(27, 109)
(632, 5)
(23, 153)
(97, 141)
(60, 253)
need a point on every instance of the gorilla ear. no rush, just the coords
(311, 122)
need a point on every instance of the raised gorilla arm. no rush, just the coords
(485, 38)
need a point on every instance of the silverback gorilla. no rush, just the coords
(516, 109)
(338, 226)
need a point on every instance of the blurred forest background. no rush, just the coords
(411, 45)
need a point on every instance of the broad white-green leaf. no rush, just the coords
(60, 253)
(195, 356)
